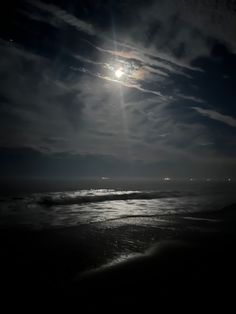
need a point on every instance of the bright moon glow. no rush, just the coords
(119, 73)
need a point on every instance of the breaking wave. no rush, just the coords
(70, 199)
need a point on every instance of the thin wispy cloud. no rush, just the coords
(191, 98)
(154, 60)
(156, 63)
(123, 83)
(206, 143)
(74, 80)
(216, 116)
(65, 17)
(86, 60)
(17, 50)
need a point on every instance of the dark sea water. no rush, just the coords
(143, 204)
(135, 216)
(57, 236)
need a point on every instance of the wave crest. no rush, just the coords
(111, 196)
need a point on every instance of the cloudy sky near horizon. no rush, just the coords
(168, 111)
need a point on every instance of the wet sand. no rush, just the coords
(189, 261)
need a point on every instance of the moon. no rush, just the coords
(119, 73)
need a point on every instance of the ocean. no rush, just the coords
(57, 236)
(146, 205)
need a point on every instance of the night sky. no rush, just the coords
(118, 88)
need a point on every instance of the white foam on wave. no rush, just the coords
(95, 196)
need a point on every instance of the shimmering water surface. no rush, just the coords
(110, 225)
(105, 206)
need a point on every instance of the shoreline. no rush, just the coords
(47, 264)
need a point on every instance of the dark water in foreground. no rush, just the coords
(81, 245)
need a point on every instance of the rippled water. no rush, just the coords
(96, 206)
(94, 228)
